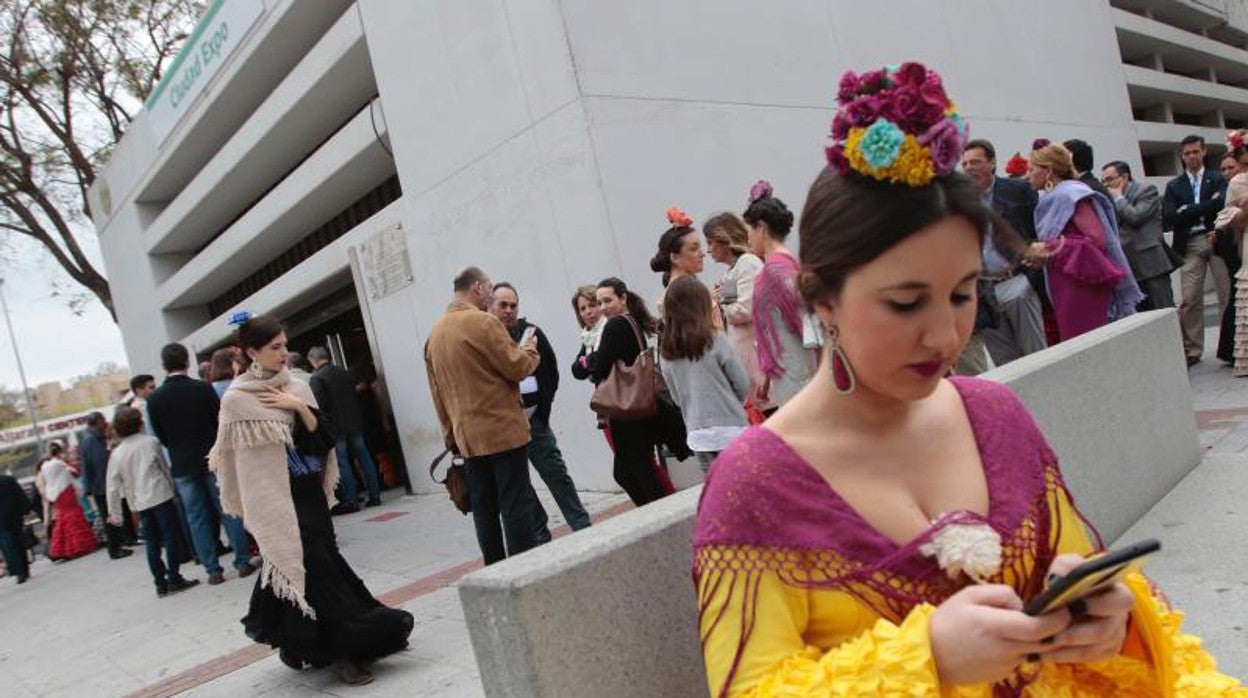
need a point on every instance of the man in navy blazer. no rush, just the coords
(1189, 207)
(184, 417)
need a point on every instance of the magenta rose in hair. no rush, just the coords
(933, 91)
(911, 74)
(847, 88)
(945, 141)
(905, 108)
(863, 111)
(873, 81)
(840, 127)
(836, 156)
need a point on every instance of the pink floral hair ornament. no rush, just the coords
(896, 124)
(761, 189)
(1235, 140)
(678, 218)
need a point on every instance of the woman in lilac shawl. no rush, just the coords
(785, 362)
(1086, 271)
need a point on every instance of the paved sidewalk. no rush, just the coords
(94, 626)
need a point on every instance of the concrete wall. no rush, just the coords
(613, 607)
(1115, 405)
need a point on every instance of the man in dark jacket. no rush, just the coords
(1189, 207)
(93, 452)
(1081, 155)
(1019, 330)
(334, 389)
(538, 393)
(13, 507)
(184, 417)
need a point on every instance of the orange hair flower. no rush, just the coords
(678, 218)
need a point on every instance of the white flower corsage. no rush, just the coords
(971, 549)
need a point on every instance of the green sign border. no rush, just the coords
(186, 49)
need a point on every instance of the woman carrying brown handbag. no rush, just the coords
(623, 339)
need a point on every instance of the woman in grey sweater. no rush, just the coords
(702, 371)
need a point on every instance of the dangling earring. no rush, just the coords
(843, 378)
(255, 370)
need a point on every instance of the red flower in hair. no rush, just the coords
(678, 218)
(1016, 166)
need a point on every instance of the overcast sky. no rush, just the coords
(55, 344)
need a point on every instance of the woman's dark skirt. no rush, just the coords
(350, 624)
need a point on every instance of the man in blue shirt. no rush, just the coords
(94, 454)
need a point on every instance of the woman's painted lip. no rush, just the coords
(927, 369)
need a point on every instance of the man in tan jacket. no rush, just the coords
(474, 370)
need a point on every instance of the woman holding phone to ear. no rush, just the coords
(880, 534)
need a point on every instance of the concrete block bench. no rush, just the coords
(611, 611)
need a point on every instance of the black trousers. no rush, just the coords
(116, 536)
(634, 451)
(499, 487)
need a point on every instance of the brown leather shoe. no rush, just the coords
(351, 673)
(215, 579)
(246, 571)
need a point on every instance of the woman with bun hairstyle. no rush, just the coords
(274, 457)
(728, 240)
(786, 363)
(629, 323)
(680, 250)
(1085, 270)
(881, 533)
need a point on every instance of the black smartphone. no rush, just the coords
(1090, 577)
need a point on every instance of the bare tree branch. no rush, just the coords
(72, 75)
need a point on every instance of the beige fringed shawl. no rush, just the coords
(249, 459)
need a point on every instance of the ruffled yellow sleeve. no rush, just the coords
(1157, 658)
(775, 660)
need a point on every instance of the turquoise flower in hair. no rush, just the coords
(959, 122)
(881, 144)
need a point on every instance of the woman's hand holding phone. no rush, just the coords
(1099, 624)
(981, 635)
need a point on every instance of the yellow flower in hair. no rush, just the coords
(914, 165)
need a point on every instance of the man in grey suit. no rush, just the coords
(1138, 206)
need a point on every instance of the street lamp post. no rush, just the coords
(21, 372)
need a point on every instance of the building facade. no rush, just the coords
(335, 162)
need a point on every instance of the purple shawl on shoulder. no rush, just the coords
(775, 288)
(1054, 212)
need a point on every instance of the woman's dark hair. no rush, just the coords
(636, 306)
(55, 448)
(849, 220)
(223, 364)
(687, 329)
(669, 244)
(256, 332)
(728, 229)
(127, 421)
(772, 211)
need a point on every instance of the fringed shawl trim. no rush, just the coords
(775, 289)
(764, 509)
(249, 458)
